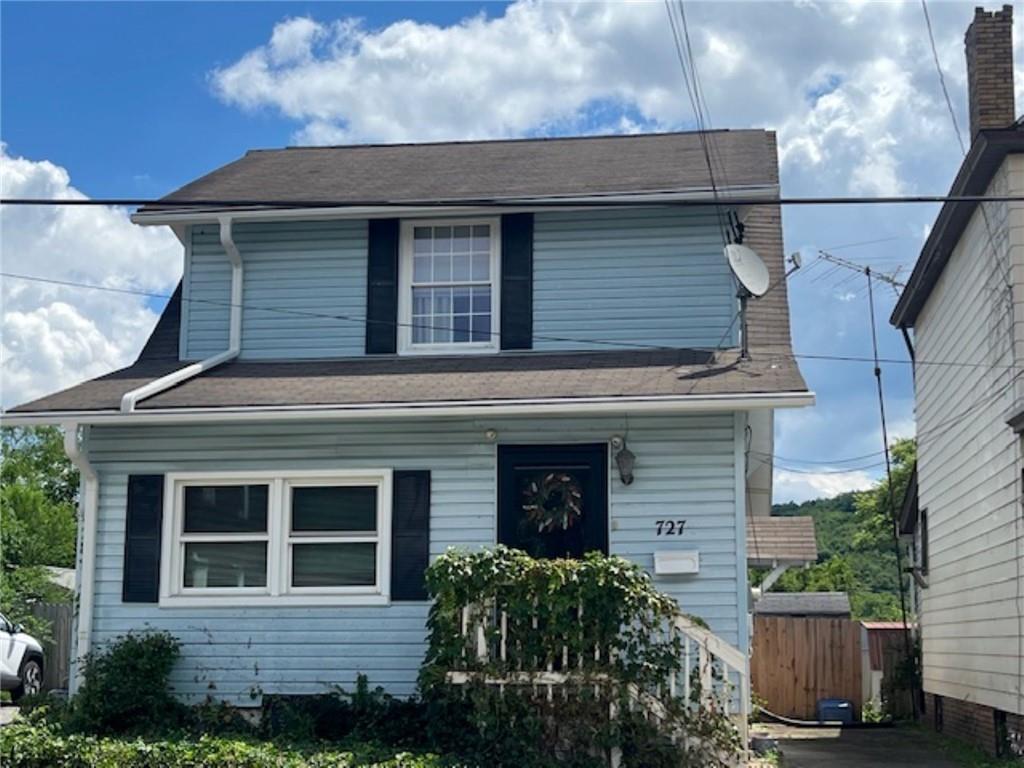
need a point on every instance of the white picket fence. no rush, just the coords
(712, 674)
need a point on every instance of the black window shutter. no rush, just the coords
(142, 539)
(517, 281)
(410, 535)
(382, 287)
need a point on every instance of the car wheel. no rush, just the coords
(31, 680)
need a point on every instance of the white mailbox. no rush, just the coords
(676, 563)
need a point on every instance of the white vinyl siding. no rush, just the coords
(686, 468)
(969, 467)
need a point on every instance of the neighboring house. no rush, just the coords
(814, 605)
(337, 393)
(965, 305)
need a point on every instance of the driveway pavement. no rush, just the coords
(857, 748)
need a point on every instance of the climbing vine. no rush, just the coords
(500, 615)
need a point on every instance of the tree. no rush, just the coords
(875, 508)
(38, 526)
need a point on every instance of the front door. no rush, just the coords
(553, 499)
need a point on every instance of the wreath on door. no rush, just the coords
(555, 502)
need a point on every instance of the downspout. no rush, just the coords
(155, 387)
(88, 507)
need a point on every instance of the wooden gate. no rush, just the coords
(796, 661)
(57, 652)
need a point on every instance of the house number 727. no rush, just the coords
(670, 527)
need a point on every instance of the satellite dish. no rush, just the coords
(748, 268)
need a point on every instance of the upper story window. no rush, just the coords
(449, 284)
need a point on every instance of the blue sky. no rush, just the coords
(125, 100)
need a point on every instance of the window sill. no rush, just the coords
(276, 601)
(449, 349)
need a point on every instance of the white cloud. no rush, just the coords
(54, 336)
(845, 97)
(801, 486)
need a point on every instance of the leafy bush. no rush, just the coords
(31, 745)
(366, 714)
(600, 618)
(126, 686)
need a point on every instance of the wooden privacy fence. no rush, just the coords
(796, 661)
(57, 652)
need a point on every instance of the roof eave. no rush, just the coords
(978, 168)
(146, 217)
(534, 407)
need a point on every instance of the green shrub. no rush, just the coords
(599, 617)
(126, 687)
(28, 745)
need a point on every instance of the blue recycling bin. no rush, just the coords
(835, 710)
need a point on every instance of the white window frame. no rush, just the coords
(278, 590)
(405, 274)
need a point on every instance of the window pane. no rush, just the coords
(225, 508)
(442, 267)
(461, 241)
(460, 328)
(334, 508)
(442, 301)
(481, 266)
(482, 300)
(481, 327)
(226, 564)
(461, 271)
(334, 565)
(421, 300)
(442, 239)
(421, 269)
(421, 240)
(420, 329)
(460, 301)
(481, 238)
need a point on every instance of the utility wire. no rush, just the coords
(942, 78)
(258, 205)
(766, 356)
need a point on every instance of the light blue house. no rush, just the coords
(380, 352)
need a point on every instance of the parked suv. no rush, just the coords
(21, 660)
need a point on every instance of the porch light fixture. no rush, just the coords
(625, 459)
(491, 435)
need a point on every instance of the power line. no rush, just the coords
(767, 356)
(942, 78)
(611, 199)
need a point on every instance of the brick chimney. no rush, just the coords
(989, 48)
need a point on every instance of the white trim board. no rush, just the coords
(534, 407)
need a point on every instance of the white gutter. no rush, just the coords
(510, 205)
(88, 508)
(463, 408)
(155, 387)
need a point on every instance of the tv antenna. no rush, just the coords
(891, 280)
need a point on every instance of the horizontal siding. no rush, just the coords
(301, 281)
(968, 468)
(685, 469)
(639, 276)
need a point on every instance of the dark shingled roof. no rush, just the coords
(401, 380)
(508, 168)
(485, 170)
(803, 604)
